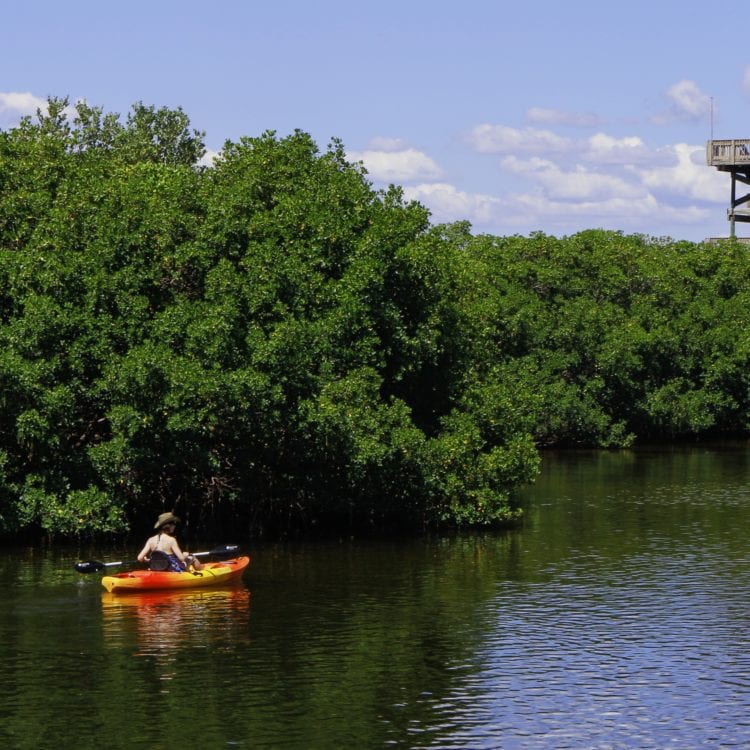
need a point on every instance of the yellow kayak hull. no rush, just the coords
(212, 574)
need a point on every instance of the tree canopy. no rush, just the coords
(267, 339)
(269, 342)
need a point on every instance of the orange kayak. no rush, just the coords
(211, 574)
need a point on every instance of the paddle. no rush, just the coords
(94, 566)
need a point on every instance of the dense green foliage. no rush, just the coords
(615, 338)
(270, 340)
(267, 340)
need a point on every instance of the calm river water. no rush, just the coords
(617, 616)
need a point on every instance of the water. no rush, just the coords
(616, 617)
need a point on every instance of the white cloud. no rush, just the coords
(619, 183)
(208, 159)
(689, 176)
(17, 104)
(685, 102)
(576, 184)
(560, 185)
(530, 211)
(688, 98)
(14, 105)
(406, 164)
(447, 203)
(616, 212)
(604, 149)
(499, 139)
(543, 116)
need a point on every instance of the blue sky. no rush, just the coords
(517, 117)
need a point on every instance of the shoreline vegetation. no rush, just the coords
(269, 344)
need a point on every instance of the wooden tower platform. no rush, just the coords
(732, 156)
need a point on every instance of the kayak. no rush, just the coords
(211, 574)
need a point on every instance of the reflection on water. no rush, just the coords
(652, 656)
(158, 625)
(157, 622)
(617, 617)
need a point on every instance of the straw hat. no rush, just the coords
(164, 519)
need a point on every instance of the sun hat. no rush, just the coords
(164, 519)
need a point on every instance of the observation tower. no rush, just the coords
(733, 157)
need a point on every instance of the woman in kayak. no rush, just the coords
(166, 544)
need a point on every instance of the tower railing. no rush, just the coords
(728, 153)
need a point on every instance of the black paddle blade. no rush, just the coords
(91, 566)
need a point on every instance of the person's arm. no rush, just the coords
(177, 552)
(186, 557)
(143, 554)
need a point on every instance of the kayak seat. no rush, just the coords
(159, 561)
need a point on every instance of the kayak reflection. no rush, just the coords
(157, 622)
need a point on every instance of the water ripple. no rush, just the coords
(653, 655)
